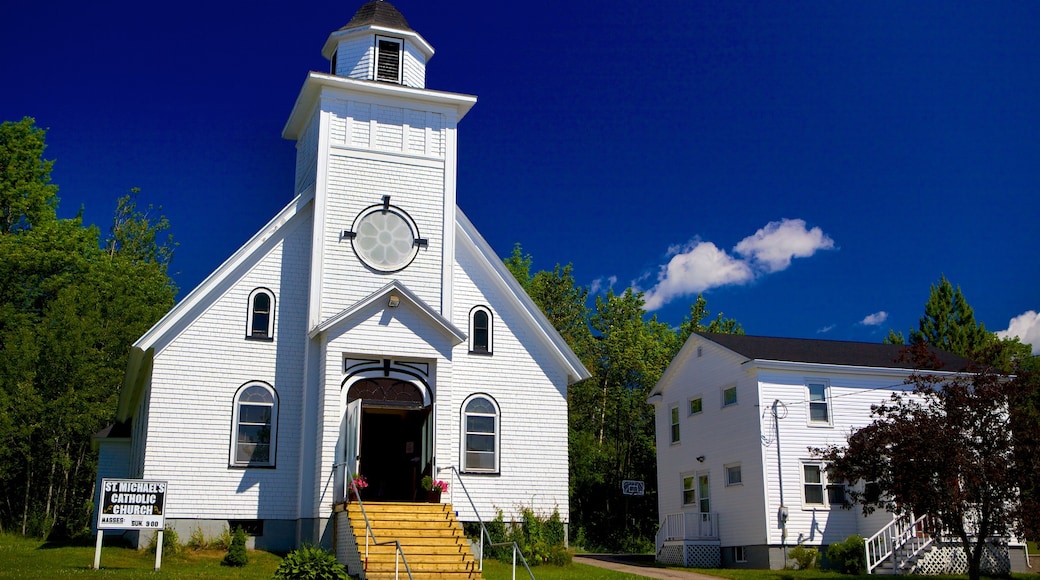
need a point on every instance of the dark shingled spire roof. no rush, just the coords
(378, 13)
(835, 352)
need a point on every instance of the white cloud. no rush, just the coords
(696, 268)
(602, 284)
(1026, 327)
(827, 329)
(773, 247)
(699, 265)
(875, 319)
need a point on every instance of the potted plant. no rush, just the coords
(434, 489)
(357, 483)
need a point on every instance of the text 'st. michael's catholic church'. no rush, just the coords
(367, 328)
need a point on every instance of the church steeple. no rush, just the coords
(379, 45)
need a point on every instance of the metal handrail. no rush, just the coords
(375, 541)
(483, 528)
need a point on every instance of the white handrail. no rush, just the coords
(483, 529)
(900, 533)
(399, 553)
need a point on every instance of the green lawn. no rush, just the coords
(30, 558)
(495, 570)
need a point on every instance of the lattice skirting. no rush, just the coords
(691, 554)
(946, 558)
(346, 547)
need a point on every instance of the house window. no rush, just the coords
(729, 396)
(480, 330)
(255, 423)
(739, 553)
(689, 491)
(819, 405)
(674, 411)
(696, 491)
(480, 422)
(261, 315)
(696, 405)
(733, 475)
(388, 59)
(812, 483)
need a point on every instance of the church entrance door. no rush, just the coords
(394, 438)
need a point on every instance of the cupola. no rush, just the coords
(379, 45)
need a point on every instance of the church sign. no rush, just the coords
(132, 504)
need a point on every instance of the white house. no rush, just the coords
(368, 328)
(735, 418)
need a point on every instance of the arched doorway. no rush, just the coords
(389, 424)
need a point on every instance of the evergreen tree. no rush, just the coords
(69, 311)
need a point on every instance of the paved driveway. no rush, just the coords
(638, 566)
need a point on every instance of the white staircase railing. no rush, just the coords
(369, 534)
(688, 526)
(901, 541)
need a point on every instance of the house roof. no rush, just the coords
(378, 13)
(833, 352)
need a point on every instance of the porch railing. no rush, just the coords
(688, 526)
(902, 540)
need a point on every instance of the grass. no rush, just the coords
(31, 558)
(495, 570)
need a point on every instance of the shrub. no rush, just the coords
(804, 557)
(222, 542)
(847, 557)
(236, 554)
(310, 563)
(197, 541)
(170, 542)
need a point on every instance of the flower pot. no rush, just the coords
(433, 496)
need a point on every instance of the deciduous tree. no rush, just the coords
(948, 451)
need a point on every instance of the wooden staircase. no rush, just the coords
(431, 538)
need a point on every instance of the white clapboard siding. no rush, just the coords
(530, 392)
(723, 435)
(194, 381)
(851, 397)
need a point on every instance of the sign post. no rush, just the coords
(131, 504)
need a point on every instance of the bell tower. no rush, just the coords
(377, 151)
(379, 45)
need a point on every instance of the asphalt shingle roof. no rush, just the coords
(835, 352)
(378, 13)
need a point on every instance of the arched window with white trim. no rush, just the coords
(254, 432)
(260, 325)
(481, 330)
(480, 435)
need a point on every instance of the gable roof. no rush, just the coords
(396, 287)
(831, 352)
(543, 330)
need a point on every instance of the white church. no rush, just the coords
(367, 328)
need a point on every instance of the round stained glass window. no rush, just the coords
(385, 239)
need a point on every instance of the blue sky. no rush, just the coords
(812, 167)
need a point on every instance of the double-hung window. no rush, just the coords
(261, 315)
(817, 491)
(480, 425)
(673, 413)
(818, 397)
(255, 421)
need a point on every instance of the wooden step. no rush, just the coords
(431, 539)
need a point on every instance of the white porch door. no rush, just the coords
(352, 443)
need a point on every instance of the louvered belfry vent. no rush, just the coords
(388, 61)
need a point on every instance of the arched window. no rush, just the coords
(480, 330)
(255, 426)
(261, 315)
(480, 434)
